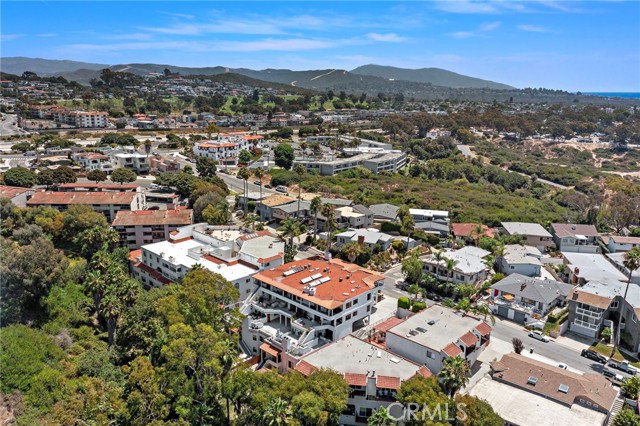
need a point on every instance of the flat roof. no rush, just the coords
(425, 212)
(342, 281)
(352, 355)
(153, 217)
(447, 327)
(470, 260)
(77, 197)
(593, 267)
(524, 228)
(522, 255)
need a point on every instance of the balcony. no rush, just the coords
(589, 313)
(586, 324)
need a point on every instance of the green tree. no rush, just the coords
(351, 250)
(477, 412)
(123, 175)
(245, 174)
(93, 239)
(412, 268)
(425, 392)
(206, 167)
(244, 157)
(289, 229)
(300, 171)
(20, 176)
(147, 399)
(78, 218)
(67, 305)
(380, 418)
(316, 206)
(218, 214)
(631, 263)
(278, 413)
(97, 176)
(406, 221)
(208, 199)
(259, 173)
(626, 417)
(454, 374)
(64, 174)
(284, 155)
(211, 129)
(631, 387)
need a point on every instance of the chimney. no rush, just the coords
(523, 286)
(573, 227)
(360, 240)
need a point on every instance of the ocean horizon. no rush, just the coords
(628, 95)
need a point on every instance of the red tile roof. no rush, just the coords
(354, 379)
(347, 280)
(568, 230)
(484, 328)
(253, 137)
(388, 324)
(153, 273)
(424, 372)
(98, 197)
(452, 350)
(305, 368)
(387, 382)
(12, 191)
(469, 339)
(468, 230)
(153, 217)
(270, 349)
(115, 186)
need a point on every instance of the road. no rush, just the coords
(548, 182)
(7, 128)
(466, 151)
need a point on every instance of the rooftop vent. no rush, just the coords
(431, 322)
(563, 389)
(532, 380)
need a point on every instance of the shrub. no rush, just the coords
(390, 227)
(497, 277)
(404, 302)
(418, 306)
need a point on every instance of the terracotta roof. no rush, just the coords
(388, 324)
(517, 369)
(305, 368)
(270, 349)
(568, 230)
(153, 217)
(116, 186)
(354, 379)
(590, 299)
(276, 200)
(253, 137)
(12, 191)
(74, 197)
(133, 255)
(452, 350)
(347, 281)
(424, 372)
(469, 339)
(218, 145)
(468, 230)
(387, 382)
(484, 328)
(153, 273)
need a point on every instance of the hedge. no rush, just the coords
(418, 306)
(404, 302)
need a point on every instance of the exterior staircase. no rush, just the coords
(617, 407)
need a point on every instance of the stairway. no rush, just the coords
(617, 407)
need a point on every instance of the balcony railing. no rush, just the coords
(586, 324)
(589, 313)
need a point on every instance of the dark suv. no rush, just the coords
(588, 353)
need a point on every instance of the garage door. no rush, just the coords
(519, 317)
(503, 311)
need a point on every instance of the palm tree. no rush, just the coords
(451, 263)
(498, 253)
(278, 413)
(250, 220)
(330, 216)
(259, 173)
(454, 374)
(351, 250)
(380, 418)
(303, 147)
(414, 289)
(299, 170)
(484, 310)
(407, 222)
(245, 174)
(316, 205)
(632, 263)
(147, 148)
(289, 230)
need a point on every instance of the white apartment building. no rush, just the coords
(221, 249)
(226, 148)
(129, 158)
(105, 202)
(436, 333)
(373, 374)
(93, 161)
(83, 119)
(305, 304)
(469, 265)
(424, 215)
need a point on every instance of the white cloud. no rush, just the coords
(465, 6)
(390, 37)
(6, 37)
(47, 35)
(482, 29)
(463, 34)
(489, 26)
(533, 28)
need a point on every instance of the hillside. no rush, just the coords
(434, 76)
(44, 67)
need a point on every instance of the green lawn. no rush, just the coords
(605, 350)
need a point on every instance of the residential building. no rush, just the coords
(384, 212)
(469, 231)
(438, 228)
(528, 392)
(295, 210)
(225, 153)
(265, 209)
(617, 243)
(137, 228)
(372, 238)
(305, 304)
(534, 234)
(373, 374)
(82, 119)
(357, 216)
(469, 265)
(105, 202)
(93, 161)
(600, 304)
(576, 238)
(617, 259)
(98, 187)
(584, 267)
(224, 250)
(520, 298)
(17, 195)
(524, 260)
(437, 333)
(380, 161)
(129, 158)
(164, 164)
(424, 215)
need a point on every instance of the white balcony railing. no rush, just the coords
(586, 324)
(589, 313)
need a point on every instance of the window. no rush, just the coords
(429, 354)
(512, 267)
(563, 388)
(614, 304)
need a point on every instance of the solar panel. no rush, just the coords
(315, 276)
(314, 283)
(293, 271)
(306, 280)
(324, 279)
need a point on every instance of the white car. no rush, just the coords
(563, 366)
(539, 336)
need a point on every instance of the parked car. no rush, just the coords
(539, 336)
(268, 186)
(257, 182)
(591, 354)
(402, 285)
(282, 188)
(615, 378)
(623, 366)
(154, 208)
(563, 366)
(238, 177)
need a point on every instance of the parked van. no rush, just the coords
(282, 188)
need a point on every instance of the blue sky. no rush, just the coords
(570, 45)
